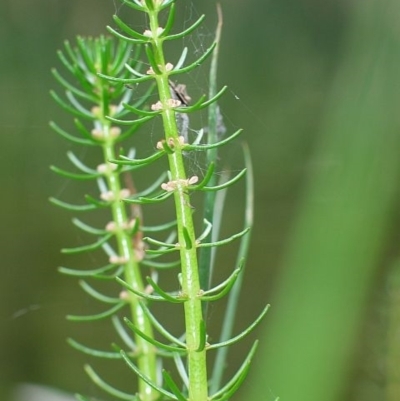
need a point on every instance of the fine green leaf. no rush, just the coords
(125, 80)
(156, 199)
(130, 122)
(150, 4)
(124, 53)
(243, 333)
(93, 352)
(71, 138)
(89, 229)
(186, 31)
(71, 88)
(181, 368)
(153, 341)
(202, 336)
(206, 179)
(86, 273)
(224, 241)
(126, 161)
(136, 37)
(76, 112)
(168, 297)
(81, 397)
(138, 293)
(90, 247)
(151, 59)
(207, 230)
(147, 191)
(84, 49)
(230, 388)
(74, 176)
(78, 164)
(138, 111)
(134, 4)
(70, 67)
(170, 21)
(225, 288)
(123, 37)
(160, 227)
(125, 337)
(70, 206)
(160, 243)
(200, 104)
(85, 133)
(145, 378)
(186, 237)
(203, 147)
(108, 388)
(99, 316)
(173, 387)
(166, 3)
(97, 295)
(161, 251)
(182, 59)
(161, 265)
(225, 184)
(196, 63)
(96, 202)
(159, 327)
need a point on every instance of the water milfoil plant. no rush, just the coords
(102, 96)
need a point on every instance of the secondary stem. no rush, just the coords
(146, 357)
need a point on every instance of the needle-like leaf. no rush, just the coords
(108, 388)
(145, 378)
(173, 387)
(99, 316)
(90, 247)
(151, 340)
(230, 388)
(93, 352)
(243, 333)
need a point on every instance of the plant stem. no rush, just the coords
(146, 357)
(205, 257)
(186, 235)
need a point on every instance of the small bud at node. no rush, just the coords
(107, 196)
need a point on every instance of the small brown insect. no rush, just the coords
(179, 92)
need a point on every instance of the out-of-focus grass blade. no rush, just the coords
(343, 222)
(231, 308)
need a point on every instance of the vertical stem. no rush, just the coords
(205, 257)
(233, 299)
(146, 357)
(198, 389)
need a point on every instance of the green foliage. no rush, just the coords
(104, 72)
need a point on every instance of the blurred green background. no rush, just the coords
(315, 85)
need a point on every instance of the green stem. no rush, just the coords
(198, 389)
(146, 357)
(205, 257)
